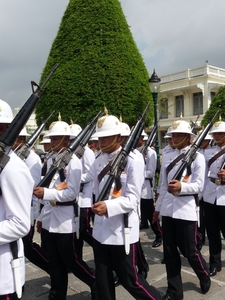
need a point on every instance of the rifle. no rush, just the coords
(193, 124)
(64, 156)
(139, 132)
(149, 141)
(24, 151)
(189, 156)
(8, 138)
(79, 152)
(118, 165)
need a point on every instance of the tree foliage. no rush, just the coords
(99, 65)
(218, 103)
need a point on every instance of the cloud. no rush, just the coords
(27, 30)
(174, 35)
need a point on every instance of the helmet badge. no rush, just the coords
(101, 121)
(175, 125)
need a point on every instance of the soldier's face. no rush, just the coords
(19, 142)
(59, 142)
(47, 147)
(219, 138)
(109, 144)
(180, 140)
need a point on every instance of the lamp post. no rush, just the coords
(154, 83)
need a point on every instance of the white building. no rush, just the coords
(31, 124)
(190, 93)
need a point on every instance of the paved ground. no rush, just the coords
(37, 281)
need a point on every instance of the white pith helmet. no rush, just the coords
(181, 126)
(6, 115)
(144, 134)
(107, 126)
(75, 129)
(168, 133)
(125, 129)
(46, 140)
(59, 128)
(218, 127)
(94, 138)
(24, 132)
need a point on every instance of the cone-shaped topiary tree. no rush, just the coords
(218, 103)
(99, 64)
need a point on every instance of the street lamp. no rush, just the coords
(154, 83)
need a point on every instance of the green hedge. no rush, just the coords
(99, 64)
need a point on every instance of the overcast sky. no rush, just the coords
(172, 35)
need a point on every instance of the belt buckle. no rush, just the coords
(218, 181)
(53, 203)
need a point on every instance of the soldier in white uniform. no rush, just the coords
(16, 185)
(177, 206)
(147, 194)
(214, 196)
(202, 149)
(85, 199)
(61, 196)
(46, 142)
(108, 231)
(168, 148)
(33, 251)
(142, 264)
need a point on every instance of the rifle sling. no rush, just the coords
(103, 172)
(212, 159)
(172, 164)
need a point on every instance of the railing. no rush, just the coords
(192, 73)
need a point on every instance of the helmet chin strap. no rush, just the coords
(221, 141)
(109, 146)
(59, 145)
(177, 145)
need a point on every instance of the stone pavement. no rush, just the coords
(38, 282)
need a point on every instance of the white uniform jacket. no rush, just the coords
(212, 191)
(34, 164)
(165, 150)
(150, 168)
(109, 229)
(61, 218)
(17, 189)
(203, 152)
(86, 195)
(182, 207)
(45, 214)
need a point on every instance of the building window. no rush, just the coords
(213, 94)
(179, 102)
(163, 108)
(197, 104)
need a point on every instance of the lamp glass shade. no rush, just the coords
(154, 83)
